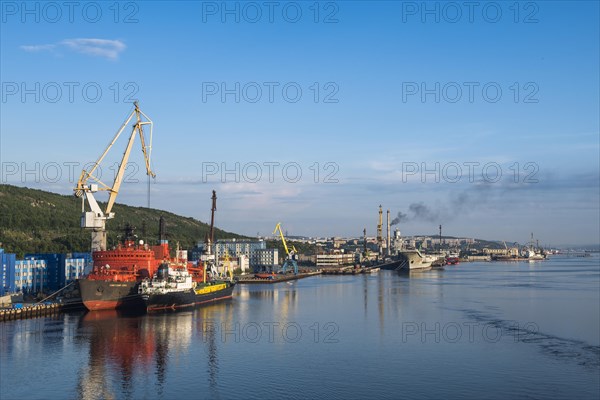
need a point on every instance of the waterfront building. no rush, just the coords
(512, 251)
(335, 260)
(29, 276)
(74, 269)
(232, 263)
(62, 269)
(259, 256)
(252, 252)
(55, 268)
(265, 259)
(7, 272)
(310, 259)
(89, 261)
(236, 248)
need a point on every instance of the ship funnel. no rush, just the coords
(162, 234)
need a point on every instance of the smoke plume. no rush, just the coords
(421, 212)
(457, 204)
(401, 217)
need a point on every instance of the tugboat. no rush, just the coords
(172, 288)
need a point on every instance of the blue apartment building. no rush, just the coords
(43, 272)
(7, 272)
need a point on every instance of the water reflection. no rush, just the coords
(385, 296)
(209, 321)
(173, 337)
(282, 296)
(114, 342)
(381, 305)
(129, 345)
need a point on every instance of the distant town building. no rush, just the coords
(248, 254)
(224, 266)
(265, 259)
(338, 242)
(335, 260)
(512, 251)
(307, 259)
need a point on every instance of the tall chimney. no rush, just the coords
(162, 234)
(389, 239)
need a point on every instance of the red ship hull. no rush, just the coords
(106, 295)
(113, 282)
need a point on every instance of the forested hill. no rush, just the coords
(38, 221)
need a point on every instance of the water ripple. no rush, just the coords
(566, 349)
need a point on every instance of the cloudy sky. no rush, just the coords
(482, 117)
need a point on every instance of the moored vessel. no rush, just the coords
(452, 261)
(533, 252)
(415, 260)
(265, 275)
(116, 274)
(173, 288)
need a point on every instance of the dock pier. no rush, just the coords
(37, 310)
(276, 278)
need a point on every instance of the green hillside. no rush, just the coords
(39, 221)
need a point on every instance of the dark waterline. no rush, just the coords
(475, 330)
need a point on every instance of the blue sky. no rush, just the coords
(516, 92)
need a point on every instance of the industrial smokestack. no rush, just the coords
(389, 237)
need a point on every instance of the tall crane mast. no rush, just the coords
(290, 254)
(379, 231)
(88, 183)
(209, 240)
(366, 255)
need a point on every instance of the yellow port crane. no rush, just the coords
(88, 183)
(227, 265)
(290, 254)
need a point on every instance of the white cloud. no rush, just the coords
(105, 48)
(40, 47)
(96, 47)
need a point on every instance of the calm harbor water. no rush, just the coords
(475, 330)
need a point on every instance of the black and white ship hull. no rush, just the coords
(189, 298)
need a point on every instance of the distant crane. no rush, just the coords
(209, 239)
(290, 254)
(95, 219)
(366, 254)
(227, 272)
(380, 231)
(207, 256)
